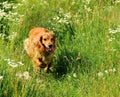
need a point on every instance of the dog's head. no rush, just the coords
(48, 41)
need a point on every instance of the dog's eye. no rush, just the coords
(45, 39)
(52, 39)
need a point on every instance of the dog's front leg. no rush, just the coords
(36, 63)
(47, 68)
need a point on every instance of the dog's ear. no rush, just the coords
(41, 39)
(37, 41)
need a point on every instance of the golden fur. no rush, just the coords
(40, 46)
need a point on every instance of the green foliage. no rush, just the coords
(87, 56)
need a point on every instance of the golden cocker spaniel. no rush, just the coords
(40, 47)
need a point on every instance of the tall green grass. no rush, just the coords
(87, 57)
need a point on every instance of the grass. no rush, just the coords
(87, 57)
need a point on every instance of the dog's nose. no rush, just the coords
(50, 46)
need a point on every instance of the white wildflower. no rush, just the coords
(62, 21)
(86, 1)
(100, 74)
(117, 1)
(45, 2)
(74, 75)
(114, 69)
(7, 5)
(13, 64)
(119, 85)
(110, 70)
(56, 18)
(2, 13)
(69, 76)
(118, 29)
(26, 75)
(106, 71)
(15, 7)
(19, 75)
(12, 60)
(73, 2)
(14, 13)
(38, 80)
(12, 36)
(19, 4)
(10, 16)
(1, 77)
(6, 59)
(88, 9)
(20, 63)
(111, 39)
(67, 15)
(23, 0)
(111, 31)
(62, 17)
(2, 35)
(61, 10)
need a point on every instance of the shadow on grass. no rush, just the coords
(68, 62)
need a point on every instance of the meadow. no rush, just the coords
(87, 57)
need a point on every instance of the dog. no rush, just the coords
(40, 47)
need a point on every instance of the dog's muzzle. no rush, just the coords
(51, 48)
